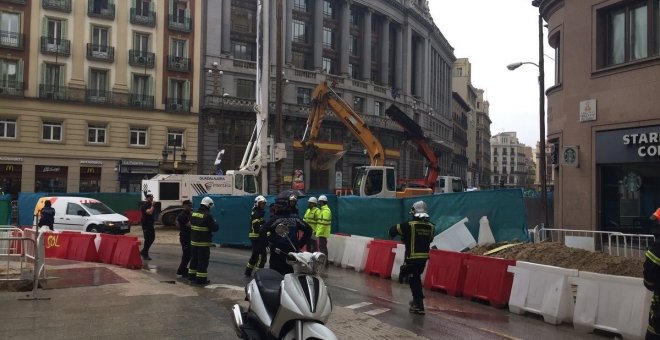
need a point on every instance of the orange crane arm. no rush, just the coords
(414, 133)
(325, 97)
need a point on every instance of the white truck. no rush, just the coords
(171, 190)
(447, 184)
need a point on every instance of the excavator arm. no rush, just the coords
(413, 132)
(325, 97)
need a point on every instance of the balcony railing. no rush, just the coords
(100, 52)
(178, 64)
(53, 92)
(101, 9)
(179, 23)
(218, 101)
(98, 96)
(143, 18)
(11, 40)
(11, 88)
(57, 5)
(50, 45)
(20, 2)
(141, 101)
(141, 58)
(178, 104)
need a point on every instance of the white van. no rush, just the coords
(84, 214)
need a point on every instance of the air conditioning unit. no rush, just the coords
(177, 66)
(141, 59)
(177, 59)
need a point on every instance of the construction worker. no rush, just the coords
(293, 204)
(652, 280)
(283, 215)
(259, 243)
(323, 224)
(311, 218)
(203, 225)
(417, 235)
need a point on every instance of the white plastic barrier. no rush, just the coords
(455, 238)
(355, 252)
(542, 290)
(617, 304)
(400, 252)
(485, 233)
(336, 245)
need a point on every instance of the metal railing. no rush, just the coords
(22, 251)
(57, 5)
(100, 52)
(177, 104)
(99, 9)
(141, 58)
(144, 18)
(179, 64)
(610, 242)
(11, 40)
(58, 46)
(179, 23)
(11, 88)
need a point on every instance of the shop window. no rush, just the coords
(90, 179)
(8, 128)
(96, 134)
(138, 137)
(51, 132)
(10, 179)
(50, 178)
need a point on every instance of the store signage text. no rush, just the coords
(91, 162)
(51, 169)
(642, 140)
(11, 159)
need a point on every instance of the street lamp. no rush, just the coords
(540, 65)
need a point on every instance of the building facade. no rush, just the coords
(98, 94)
(460, 161)
(603, 121)
(509, 162)
(374, 53)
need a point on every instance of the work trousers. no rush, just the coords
(415, 269)
(312, 245)
(323, 246)
(654, 318)
(149, 236)
(258, 257)
(186, 253)
(199, 263)
(278, 262)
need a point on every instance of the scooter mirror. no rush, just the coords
(282, 230)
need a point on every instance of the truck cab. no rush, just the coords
(380, 181)
(447, 184)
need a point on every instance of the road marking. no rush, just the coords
(358, 305)
(375, 312)
(498, 334)
(214, 286)
(346, 288)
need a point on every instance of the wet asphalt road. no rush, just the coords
(447, 317)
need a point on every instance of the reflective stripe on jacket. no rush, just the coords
(202, 227)
(312, 218)
(256, 222)
(324, 222)
(417, 235)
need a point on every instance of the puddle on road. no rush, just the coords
(81, 277)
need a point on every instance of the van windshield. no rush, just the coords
(98, 208)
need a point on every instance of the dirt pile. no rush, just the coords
(556, 254)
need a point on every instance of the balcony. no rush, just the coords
(60, 47)
(141, 101)
(19, 2)
(98, 96)
(216, 101)
(100, 53)
(11, 40)
(57, 5)
(178, 64)
(104, 9)
(144, 18)
(141, 58)
(179, 23)
(90, 96)
(177, 105)
(11, 88)
(53, 92)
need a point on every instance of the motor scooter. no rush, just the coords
(293, 306)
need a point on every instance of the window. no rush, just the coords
(178, 48)
(100, 38)
(96, 134)
(141, 85)
(141, 42)
(138, 137)
(178, 94)
(180, 11)
(328, 38)
(378, 108)
(98, 85)
(355, 17)
(328, 9)
(629, 32)
(143, 8)
(51, 132)
(459, 71)
(11, 73)
(10, 29)
(243, 20)
(55, 30)
(245, 88)
(300, 5)
(300, 60)
(353, 71)
(7, 128)
(358, 104)
(299, 31)
(555, 43)
(175, 139)
(328, 65)
(304, 96)
(243, 50)
(353, 46)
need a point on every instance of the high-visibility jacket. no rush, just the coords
(652, 283)
(324, 221)
(256, 222)
(311, 217)
(203, 225)
(417, 235)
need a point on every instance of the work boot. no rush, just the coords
(248, 272)
(202, 282)
(416, 308)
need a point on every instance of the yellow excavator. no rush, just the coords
(374, 180)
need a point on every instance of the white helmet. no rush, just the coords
(419, 209)
(322, 198)
(207, 201)
(312, 200)
(259, 199)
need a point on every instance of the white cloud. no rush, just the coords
(493, 34)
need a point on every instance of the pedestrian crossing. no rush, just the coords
(371, 312)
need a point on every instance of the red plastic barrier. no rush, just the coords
(56, 245)
(82, 248)
(127, 253)
(107, 247)
(381, 258)
(16, 246)
(446, 271)
(487, 279)
(134, 216)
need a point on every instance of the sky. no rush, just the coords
(493, 34)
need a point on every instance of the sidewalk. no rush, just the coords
(109, 302)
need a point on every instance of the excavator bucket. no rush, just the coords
(324, 160)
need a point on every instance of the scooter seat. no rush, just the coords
(269, 283)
